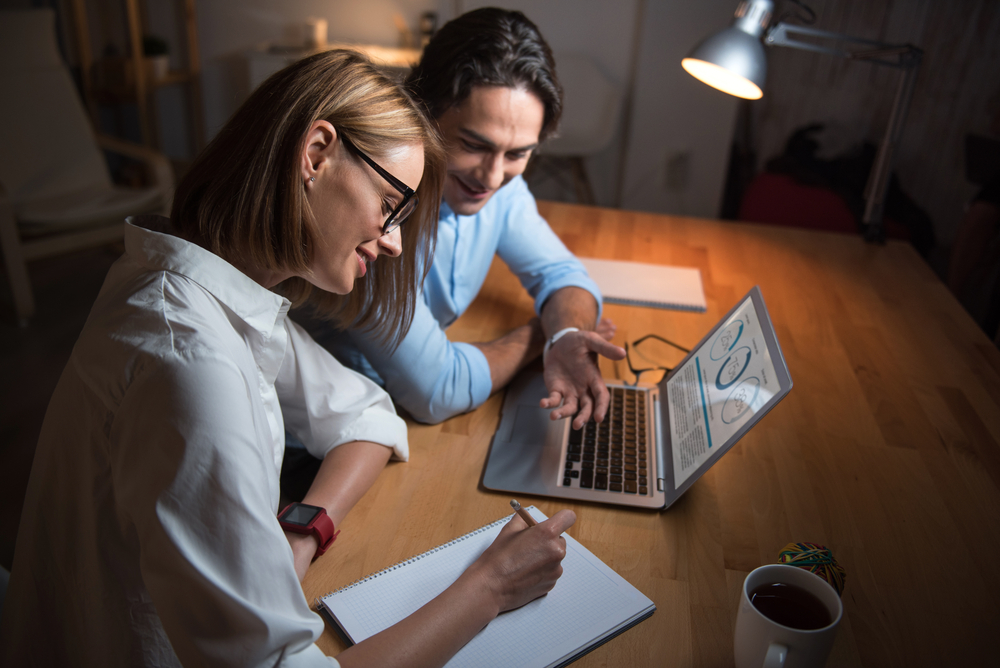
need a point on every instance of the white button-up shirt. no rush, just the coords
(149, 534)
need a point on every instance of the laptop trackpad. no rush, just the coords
(530, 423)
(526, 451)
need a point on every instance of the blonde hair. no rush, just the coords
(245, 200)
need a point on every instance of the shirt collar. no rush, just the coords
(151, 241)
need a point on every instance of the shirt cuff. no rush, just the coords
(380, 426)
(480, 380)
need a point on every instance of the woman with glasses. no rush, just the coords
(150, 533)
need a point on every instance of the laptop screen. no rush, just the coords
(722, 383)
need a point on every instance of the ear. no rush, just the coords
(320, 147)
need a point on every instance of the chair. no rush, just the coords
(591, 108)
(56, 194)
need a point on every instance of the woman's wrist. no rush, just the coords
(304, 548)
(476, 584)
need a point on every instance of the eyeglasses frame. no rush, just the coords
(638, 372)
(407, 192)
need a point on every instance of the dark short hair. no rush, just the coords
(487, 47)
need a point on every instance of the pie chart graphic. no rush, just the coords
(726, 340)
(740, 401)
(733, 368)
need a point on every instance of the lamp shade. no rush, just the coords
(732, 61)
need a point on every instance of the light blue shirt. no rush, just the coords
(428, 375)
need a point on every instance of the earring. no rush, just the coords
(312, 178)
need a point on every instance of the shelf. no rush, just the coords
(127, 80)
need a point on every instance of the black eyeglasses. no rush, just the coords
(409, 203)
(639, 372)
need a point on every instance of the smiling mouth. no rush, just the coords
(363, 259)
(474, 193)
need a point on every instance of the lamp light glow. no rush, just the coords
(721, 78)
(733, 60)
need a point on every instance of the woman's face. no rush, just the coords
(350, 202)
(490, 137)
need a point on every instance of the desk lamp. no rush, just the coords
(734, 61)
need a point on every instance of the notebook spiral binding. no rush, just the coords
(418, 557)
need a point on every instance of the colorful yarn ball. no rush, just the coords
(817, 560)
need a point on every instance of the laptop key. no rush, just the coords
(615, 487)
(600, 481)
(587, 479)
(567, 482)
(643, 489)
(630, 487)
(573, 474)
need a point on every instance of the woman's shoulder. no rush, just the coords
(154, 322)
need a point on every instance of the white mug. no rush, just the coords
(762, 643)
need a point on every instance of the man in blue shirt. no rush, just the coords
(488, 79)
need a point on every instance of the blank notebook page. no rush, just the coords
(590, 601)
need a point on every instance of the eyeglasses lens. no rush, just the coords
(400, 216)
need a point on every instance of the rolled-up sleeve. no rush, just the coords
(535, 254)
(326, 404)
(428, 375)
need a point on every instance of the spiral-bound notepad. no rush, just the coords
(589, 605)
(653, 285)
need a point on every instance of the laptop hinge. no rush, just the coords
(659, 484)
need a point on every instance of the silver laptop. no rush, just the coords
(655, 441)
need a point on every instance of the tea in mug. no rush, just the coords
(791, 606)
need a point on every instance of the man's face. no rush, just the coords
(490, 137)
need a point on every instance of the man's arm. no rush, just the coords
(572, 375)
(512, 352)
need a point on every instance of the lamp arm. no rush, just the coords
(783, 34)
(878, 178)
(907, 58)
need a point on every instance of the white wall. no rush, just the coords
(229, 28)
(681, 129)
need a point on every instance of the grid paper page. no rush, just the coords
(589, 601)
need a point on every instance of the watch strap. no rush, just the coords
(320, 526)
(325, 533)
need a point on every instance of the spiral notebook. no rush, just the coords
(652, 285)
(590, 604)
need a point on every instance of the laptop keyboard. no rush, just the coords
(611, 456)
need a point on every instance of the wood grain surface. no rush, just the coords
(886, 451)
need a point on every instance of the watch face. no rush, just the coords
(300, 514)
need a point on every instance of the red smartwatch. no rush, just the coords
(305, 519)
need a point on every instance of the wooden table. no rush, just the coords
(885, 451)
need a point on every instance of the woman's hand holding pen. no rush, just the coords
(524, 563)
